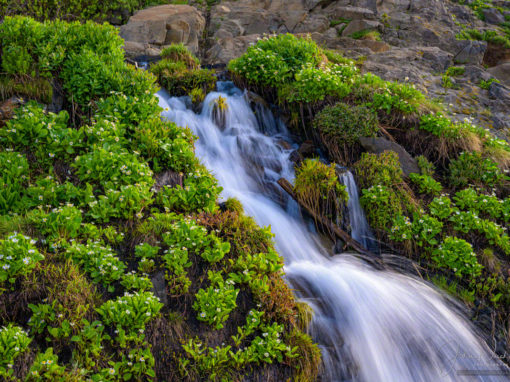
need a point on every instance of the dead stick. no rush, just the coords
(285, 184)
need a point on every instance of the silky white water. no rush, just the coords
(371, 325)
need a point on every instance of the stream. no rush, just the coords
(371, 325)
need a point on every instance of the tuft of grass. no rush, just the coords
(180, 53)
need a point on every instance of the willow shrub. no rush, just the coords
(340, 127)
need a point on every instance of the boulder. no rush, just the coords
(470, 52)
(228, 48)
(493, 16)
(379, 145)
(159, 287)
(360, 25)
(351, 13)
(499, 92)
(163, 25)
(307, 149)
(501, 72)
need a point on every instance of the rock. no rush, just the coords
(360, 25)
(159, 287)
(493, 16)
(338, 247)
(499, 91)
(284, 144)
(307, 149)
(501, 72)
(351, 13)
(228, 48)
(296, 157)
(168, 179)
(470, 52)
(379, 145)
(163, 25)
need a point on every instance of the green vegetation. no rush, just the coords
(72, 9)
(85, 230)
(317, 186)
(178, 73)
(341, 126)
(438, 218)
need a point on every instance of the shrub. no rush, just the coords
(457, 255)
(342, 125)
(381, 206)
(99, 261)
(383, 169)
(14, 175)
(275, 60)
(199, 192)
(18, 257)
(180, 53)
(314, 84)
(13, 342)
(473, 168)
(130, 312)
(317, 186)
(111, 167)
(178, 80)
(426, 184)
(215, 303)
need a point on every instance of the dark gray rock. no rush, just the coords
(499, 91)
(470, 52)
(493, 16)
(307, 149)
(159, 287)
(379, 145)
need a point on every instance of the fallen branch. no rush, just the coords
(349, 241)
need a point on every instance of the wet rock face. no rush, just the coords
(151, 29)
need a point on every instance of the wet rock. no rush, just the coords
(307, 149)
(493, 16)
(163, 25)
(159, 287)
(339, 246)
(296, 157)
(379, 145)
(168, 179)
(470, 52)
(284, 144)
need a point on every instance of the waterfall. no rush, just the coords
(371, 325)
(360, 230)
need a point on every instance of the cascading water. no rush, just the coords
(360, 230)
(372, 325)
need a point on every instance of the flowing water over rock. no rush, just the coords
(372, 325)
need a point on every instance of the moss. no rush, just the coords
(309, 362)
(39, 89)
(180, 53)
(178, 80)
(317, 187)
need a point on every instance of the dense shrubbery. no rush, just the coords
(179, 73)
(317, 186)
(83, 183)
(70, 9)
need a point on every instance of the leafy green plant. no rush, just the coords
(13, 342)
(215, 303)
(99, 261)
(457, 255)
(18, 257)
(426, 184)
(180, 53)
(130, 312)
(487, 84)
(473, 168)
(14, 175)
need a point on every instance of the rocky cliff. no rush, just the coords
(404, 40)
